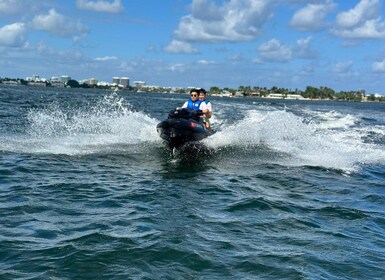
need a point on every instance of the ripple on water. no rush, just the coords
(88, 191)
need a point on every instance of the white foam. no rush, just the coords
(105, 126)
(327, 139)
(307, 143)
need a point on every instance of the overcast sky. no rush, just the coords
(285, 43)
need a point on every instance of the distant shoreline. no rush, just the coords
(310, 94)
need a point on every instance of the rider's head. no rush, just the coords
(202, 94)
(194, 94)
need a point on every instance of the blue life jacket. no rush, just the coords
(193, 105)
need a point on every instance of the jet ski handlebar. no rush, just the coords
(185, 113)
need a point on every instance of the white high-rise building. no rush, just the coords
(125, 81)
(121, 81)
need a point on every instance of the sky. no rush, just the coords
(291, 44)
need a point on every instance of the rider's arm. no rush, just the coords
(208, 110)
(204, 109)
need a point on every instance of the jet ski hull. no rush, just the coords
(176, 132)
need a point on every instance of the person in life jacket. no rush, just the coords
(205, 106)
(194, 102)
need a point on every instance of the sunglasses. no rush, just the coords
(193, 95)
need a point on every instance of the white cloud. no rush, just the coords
(106, 58)
(361, 22)
(370, 29)
(205, 62)
(10, 6)
(378, 66)
(205, 10)
(303, 48)
(274, 51)
(180, 47)
(311, 17)
(364, 10)
(178, 67)
(343, 67)
(56, 23)
(13, 35)
(101, 6)
(52, 54)
(235, 20)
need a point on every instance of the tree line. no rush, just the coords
(323, 93)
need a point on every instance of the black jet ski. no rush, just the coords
(183, 126)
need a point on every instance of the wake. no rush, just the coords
(335, 143)
(274, 135)
(110, 124)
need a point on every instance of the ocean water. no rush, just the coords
(284, 189)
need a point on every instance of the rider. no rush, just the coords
(205, 106)
(196, 102)
(193, 103)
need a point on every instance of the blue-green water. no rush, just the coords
(283, 190)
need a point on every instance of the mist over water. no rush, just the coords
(284, 189)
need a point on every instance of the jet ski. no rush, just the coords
(183, 126)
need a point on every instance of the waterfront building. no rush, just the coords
(283, 96)
(125, 82)
(92, 82)
(121, 81)
(64, 79)
(33, 78)
(103, 84)
(139, 84)
(56, 82)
